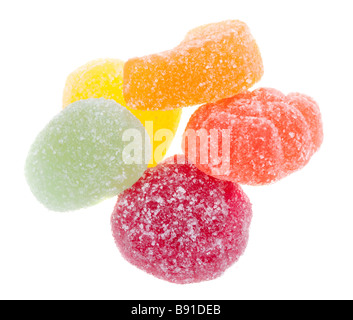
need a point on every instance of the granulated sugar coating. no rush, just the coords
(103, 78)
(271, 135)
(77, 160)
(214, 61)
(181, 225)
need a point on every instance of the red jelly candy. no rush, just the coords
(270, 135)
(181, 225)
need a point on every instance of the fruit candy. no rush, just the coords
(180, 224)
(214, 61)
(270, 136)
(81, 157)
(104, 79)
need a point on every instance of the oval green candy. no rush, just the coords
(92, 150)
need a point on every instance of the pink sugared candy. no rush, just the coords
(269, 135)
(181, 225)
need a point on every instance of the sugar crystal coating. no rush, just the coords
(103, 78)
(271, 135)
(180, 224)
(77, 160)
(214, 61)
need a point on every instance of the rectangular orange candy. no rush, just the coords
(213, 62)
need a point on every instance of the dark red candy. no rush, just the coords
(182, 225)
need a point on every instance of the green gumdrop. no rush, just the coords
(85, 155)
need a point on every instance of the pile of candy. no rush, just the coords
(185, 219)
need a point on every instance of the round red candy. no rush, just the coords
(181, 225)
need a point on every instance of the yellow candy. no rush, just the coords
(104, 79)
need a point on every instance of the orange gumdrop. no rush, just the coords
(214, 62)
(270, 136)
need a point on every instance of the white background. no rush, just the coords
(302, 233)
